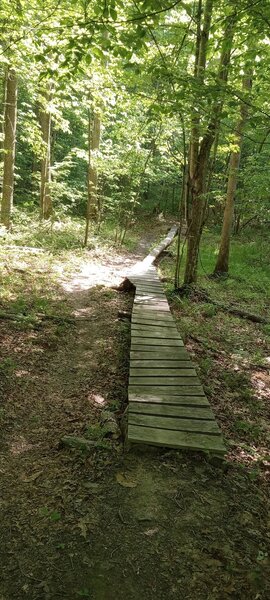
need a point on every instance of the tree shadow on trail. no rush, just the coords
(108, 524)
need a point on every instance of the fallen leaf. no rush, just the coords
(125, 480)
(83, 525)
(150, 532)
(32, 477)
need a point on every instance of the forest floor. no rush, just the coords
(110, 524)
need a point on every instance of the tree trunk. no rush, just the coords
(10, 123)
(222, 264)
(45, 183)
(198, 175)
(92, 177)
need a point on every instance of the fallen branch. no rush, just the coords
(80, 443)
(237, 311)
(35, 319)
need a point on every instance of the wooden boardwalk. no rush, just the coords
(167, 404)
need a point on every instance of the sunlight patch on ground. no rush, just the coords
(109, 273)
(261, 384)
(19, 446)
(97, 399)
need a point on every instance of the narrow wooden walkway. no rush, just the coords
(167, 404)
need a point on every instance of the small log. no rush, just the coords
(80, 443)
(202, 296)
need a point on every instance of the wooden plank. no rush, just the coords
(174, 423)
(156, 343)
(163, 244)
(171, 410)
(155, 327)
(156, 323)
(176, 439)
(150, 353)
(165, 398)
(153, 315)
(161, 364)
(152, 290)
(151, 296)
(161, 372)
(160, 390)
(168, 381)
(148, 298)
(154, 332)
(144, 308)
(149, 285)
(151, 303)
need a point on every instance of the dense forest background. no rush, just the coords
(113, 109)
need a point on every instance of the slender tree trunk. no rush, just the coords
(92, 177)
(197, 183)
(10, 123)
(222, 264)
(45, 183)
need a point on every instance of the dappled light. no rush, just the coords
(134, 300)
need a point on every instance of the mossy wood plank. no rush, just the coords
(150, 353)
(154, 322)
(162, 372)
(174, 423)
(176, 439)
(165, 398)
(171, 410)
(154, 342)
(160, 364)
(173, 390)
(148, 331)
(168, 381)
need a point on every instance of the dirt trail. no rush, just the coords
(110, 525)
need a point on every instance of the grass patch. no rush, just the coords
(231, 353)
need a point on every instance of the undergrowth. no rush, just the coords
(232, 354)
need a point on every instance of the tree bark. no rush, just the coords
(198, 174)
(10, 123)
(92, 176)
(222, 264)
(45, 183)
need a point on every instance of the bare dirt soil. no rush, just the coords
(108, 524)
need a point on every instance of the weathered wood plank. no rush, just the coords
(174, 423)
(173, 390)
(162, 372)
(149, 284)
(146, 341)
(150, 353)
(164, 317)
(154, 332)
(168, 381)
(161, 364)
(156, 293)
(164, 398)
(167, 404)
(176, 439)
(171, 410)
(151, 303)
(154, 322)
